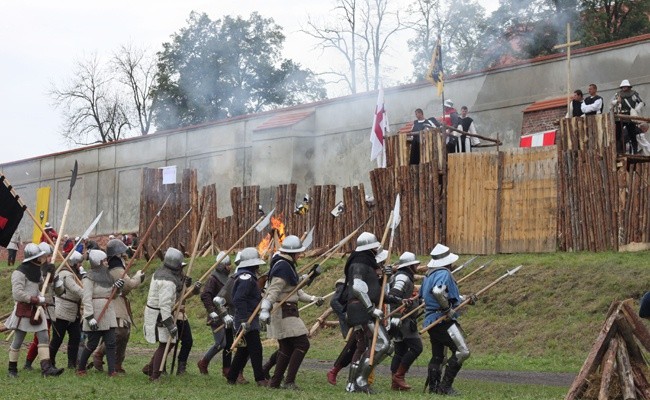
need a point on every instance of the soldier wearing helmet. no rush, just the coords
(285, 323)
(408, 344)
(49, 232)
(159, 326)
(246, 295)
(363, 287)
(67, 310)
(25, 282)
(98, 285)
(219, 317)
(440, 294)
(47, 268)
(116, 252)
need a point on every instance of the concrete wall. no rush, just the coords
(330, 146)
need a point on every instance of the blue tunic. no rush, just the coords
(439, 276)
(245, 297)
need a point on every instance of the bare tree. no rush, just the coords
(94, 112)
(137, 69)
(360, 35)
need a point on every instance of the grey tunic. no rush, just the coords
(22, 289)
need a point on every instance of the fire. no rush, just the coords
(277, 231)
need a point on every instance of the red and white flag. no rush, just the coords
(379, 127)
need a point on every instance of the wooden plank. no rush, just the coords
(625, 372)
(607, 370)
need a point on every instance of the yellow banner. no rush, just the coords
(42, 209)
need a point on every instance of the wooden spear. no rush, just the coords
(189, 271)
(145, 237)
(395, 220)
(468, 300)
(46, 282)
(167, 238)
(315, 301)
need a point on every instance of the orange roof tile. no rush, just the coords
(284, 120)
(548, 104)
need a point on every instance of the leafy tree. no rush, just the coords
(459, 25)
(609, 20)
(216, 69)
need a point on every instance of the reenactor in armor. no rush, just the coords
(185, 339)
(116, 251)
(25, 281)
(246, 295)
(362, 277)
(67, 308)
(339, 305)
(285, 324)
(48, 308)
(159, 326)
(221, 325)
(98, 285)
(408, 344)
(441, 296)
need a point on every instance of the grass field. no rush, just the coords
(544, 318)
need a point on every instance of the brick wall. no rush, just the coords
(542, 120)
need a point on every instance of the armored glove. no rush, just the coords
(388, 270)
(82, 271)
(119, 284)
(265, 312)
(139, 275)
(171, 327)
(188, 281)
(313, 273)
(319, 301)
(37, 299)
(377, 313)
(228, 321)
(395, 322)
(197, 287)
(214, 317)
(245, 327)
(92, 322)
(407, 302)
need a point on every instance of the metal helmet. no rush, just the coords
(225, 258)
(238, 258)
(96, 257)
(449, 103)
(441, 256)
(250, 258)
(381, 256)
(367, 241)
(291, 244)
(75, 258)
(174, 258)
(32, 251)
(48, 225)
(625, 83)
(407, 259)
(115, 247)
(47, 249)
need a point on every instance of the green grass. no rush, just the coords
(544, 318)
(135, 385)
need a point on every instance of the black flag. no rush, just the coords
(11, 212)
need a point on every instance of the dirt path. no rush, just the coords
(535, 378)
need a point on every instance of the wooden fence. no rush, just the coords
(577, 195)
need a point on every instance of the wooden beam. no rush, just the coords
(608, 370)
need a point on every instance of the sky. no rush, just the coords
(42, 40)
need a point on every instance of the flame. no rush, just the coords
(267, 244)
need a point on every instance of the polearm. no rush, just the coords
(144, 239)
(468, 300)
(327, 296)
(466, 263)
(184, 289)
(259, 225)
(166, 238)
(413, 311)
(395, 217)
(329, 253)
(46, 282)
(298, 287)
(489, 139)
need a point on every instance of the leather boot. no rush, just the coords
(398, 379)
(48, 370)
(147, 369)
(331, 375)
(13, 369)
(224, 372)
(433, 376)
(119, 369)
(182, 368)
(203, 366)
(28, 365)
(98, 363)
(241, 380)
(448, 379)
